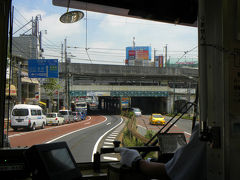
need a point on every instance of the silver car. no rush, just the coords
(136, 111)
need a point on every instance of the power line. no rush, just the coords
(75, 47)
(185, 52)
(20, 14)
(51, 41)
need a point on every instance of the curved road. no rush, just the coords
(82, 137)
(82, 143)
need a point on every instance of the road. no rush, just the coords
(86, 137)
(82, 137)
(182, 126)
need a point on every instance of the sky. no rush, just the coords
(104, 36)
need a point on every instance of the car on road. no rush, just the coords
(76, 116)
(136, 111)
(67, 114)
(27, 116)
(157, 118)
(55, 119)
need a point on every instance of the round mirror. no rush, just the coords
(71, 17)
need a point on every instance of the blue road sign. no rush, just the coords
(43, 68)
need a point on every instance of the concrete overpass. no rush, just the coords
(120, 73)
(148, 87)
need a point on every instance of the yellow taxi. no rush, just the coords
(157, 119)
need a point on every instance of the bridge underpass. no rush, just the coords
(148, 105)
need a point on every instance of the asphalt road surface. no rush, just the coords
(84, 143)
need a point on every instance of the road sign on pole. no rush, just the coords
(43, 68)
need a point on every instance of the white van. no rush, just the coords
(27, 116)
(67, 114)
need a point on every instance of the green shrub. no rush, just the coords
(149, 134)
(128, 114)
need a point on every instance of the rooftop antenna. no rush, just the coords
(133, 42)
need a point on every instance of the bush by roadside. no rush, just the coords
(129, 140)
(128, 114)
(186, 116)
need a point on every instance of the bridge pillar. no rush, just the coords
(100, 103)
(170, 104)
(105, 105)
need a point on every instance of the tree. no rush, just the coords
(50, 86)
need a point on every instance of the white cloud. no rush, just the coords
(156, 34)
(57, 30)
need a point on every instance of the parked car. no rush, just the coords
(55, 118)
(27, 116)
(67, 114)
(76, 116)
(157, 119)
(136, 111)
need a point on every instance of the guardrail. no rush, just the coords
(132, 128)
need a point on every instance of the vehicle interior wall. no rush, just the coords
(4, 14)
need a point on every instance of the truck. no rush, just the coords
(81, 106)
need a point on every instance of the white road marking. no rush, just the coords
(74, 131)
(110, 158)
(112, 137)
(115, 133)
(107, 146)
(141, 126)
(109, 139)
(98, 141)
(108, 143)
(187, 133)
(108, 123)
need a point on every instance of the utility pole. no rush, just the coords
(61, 52)
(58, 102)
(66, 76)
(166, 56)
(19, 83)
(154, 54)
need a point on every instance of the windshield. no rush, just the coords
(20, 112)
(103, 65)
(157, 116)
(51, 115)
(136, 110)
(63, 112)
(81, 105)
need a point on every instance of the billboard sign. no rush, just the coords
(43, 68)
(159, 61)
(125, 102)
(138, 53)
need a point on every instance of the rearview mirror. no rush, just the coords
(71, 17)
